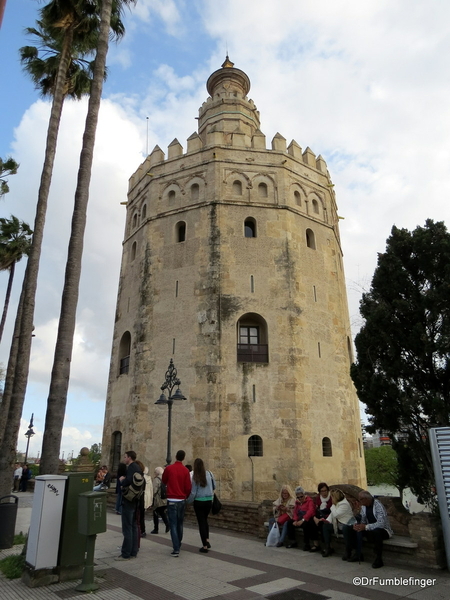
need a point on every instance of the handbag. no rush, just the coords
(216, 505)
(274, 536)
(283, 518)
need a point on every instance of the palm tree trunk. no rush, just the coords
(12, 268)
(59, 384)
(19, 385)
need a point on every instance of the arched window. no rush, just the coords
(250, 227)
(297, 198)
(315, 206)
(116, 451)
(195, 191)
(135, 220)
(171, 196)
(310, 239)
(133, 251)
(180, 231)
(124, 353)
(326, 447)
(262, 190)
(144, 212)
(253, 343)
(237, 188)
(255, 445)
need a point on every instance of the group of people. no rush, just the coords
(331, 513)
(168, 492)
(22, 474)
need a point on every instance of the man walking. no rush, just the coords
(129, 510)
(178, 482)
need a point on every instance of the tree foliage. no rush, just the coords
(402, 373)
(382, 466)
(8, 166)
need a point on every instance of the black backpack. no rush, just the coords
(136, 489)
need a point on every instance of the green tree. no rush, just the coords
(95, 454)
(402, 373)
(15, 241)
(67, 21)
(59, 384)
(382, 467)
(8, 167)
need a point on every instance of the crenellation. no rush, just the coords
(321, 165)
(279, 143)
(156, 156)
(174, 149)
(309, 158)
(295, 150)
(194, 143)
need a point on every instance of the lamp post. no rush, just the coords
(170, 382)
(29, 434)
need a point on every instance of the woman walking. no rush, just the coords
(159, 504)
(203, 486)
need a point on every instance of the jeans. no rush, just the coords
(175, 513)
(347, 532)
(284, 529)
(202, 509)
(159, 512)
(119, 500)
(129, 528)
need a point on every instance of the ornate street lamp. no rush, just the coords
(29, 434)
(170, 382)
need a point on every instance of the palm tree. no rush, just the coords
(67, 21)
(15, 241)
(7, 167)
(59, 384)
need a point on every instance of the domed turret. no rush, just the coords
(228, 110)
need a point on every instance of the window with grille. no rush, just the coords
(255, 445)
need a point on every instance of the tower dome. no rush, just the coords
(228, 79)
(228, 110)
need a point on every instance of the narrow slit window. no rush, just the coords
(252, 284)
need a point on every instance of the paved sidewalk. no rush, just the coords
(236, 568)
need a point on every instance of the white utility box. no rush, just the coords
(45, 528)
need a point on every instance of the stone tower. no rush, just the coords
(232, 267)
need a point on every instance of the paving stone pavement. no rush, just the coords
(237, 567)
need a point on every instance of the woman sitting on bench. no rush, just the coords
(283, 511)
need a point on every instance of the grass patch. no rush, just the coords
(12, 566)
(20, 538)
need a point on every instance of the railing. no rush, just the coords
(257, 353)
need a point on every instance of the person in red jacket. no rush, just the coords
(304, 513)
(178, 481)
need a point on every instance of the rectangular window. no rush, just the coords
(124, 365)
(249, 335)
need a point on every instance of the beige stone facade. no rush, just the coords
(232, 267)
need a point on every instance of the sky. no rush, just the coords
(364, 84)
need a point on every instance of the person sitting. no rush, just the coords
(374, 525)
(304, 512)
(283, 511)
(102, 480)
(340, 520)
(323, 505)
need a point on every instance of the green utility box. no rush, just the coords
(92, 513)
(72, 545)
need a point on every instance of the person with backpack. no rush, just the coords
(133, 485)
(159, 501)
